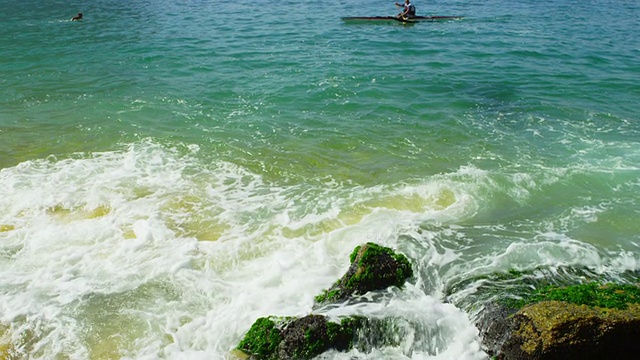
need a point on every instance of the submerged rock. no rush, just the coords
(585, 321)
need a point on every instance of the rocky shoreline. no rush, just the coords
(555, 319)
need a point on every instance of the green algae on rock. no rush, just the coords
(561, 330)
(580, 321)
(298, 338)
(263, 337)
(609, 296)
(373, 267)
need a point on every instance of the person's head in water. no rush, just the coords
(79, 16)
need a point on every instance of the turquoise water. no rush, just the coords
(170, 171)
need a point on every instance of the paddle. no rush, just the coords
(398, 5)
(402, 18)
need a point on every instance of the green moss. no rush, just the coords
(373, 267)
(352, 323)
(299, 338)
(610, 296)
(315, 344)
(354, 254)
(341, 335)
(327, 295)
(367, 262)
(373, 250)
(317, 340)
(333, 331)
(262, 339)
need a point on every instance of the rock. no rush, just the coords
(312, 335)
(299, 338)
(590, 322)
(373, 267)
(263, 338)
(496, 327)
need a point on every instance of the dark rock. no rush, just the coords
(299, 338)
(373, 267)
(550, 330)
(496, 326)
(312, 335)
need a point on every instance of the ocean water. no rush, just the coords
(172, 170)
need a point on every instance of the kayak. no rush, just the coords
(395, 19)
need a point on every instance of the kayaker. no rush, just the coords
(409, 11)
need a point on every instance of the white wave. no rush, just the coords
(150, 253)
(165, 255)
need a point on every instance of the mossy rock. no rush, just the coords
(582, 321)
(263, 337)
(551, 330)
(299, 338)
(373, 267)
(312, 335)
